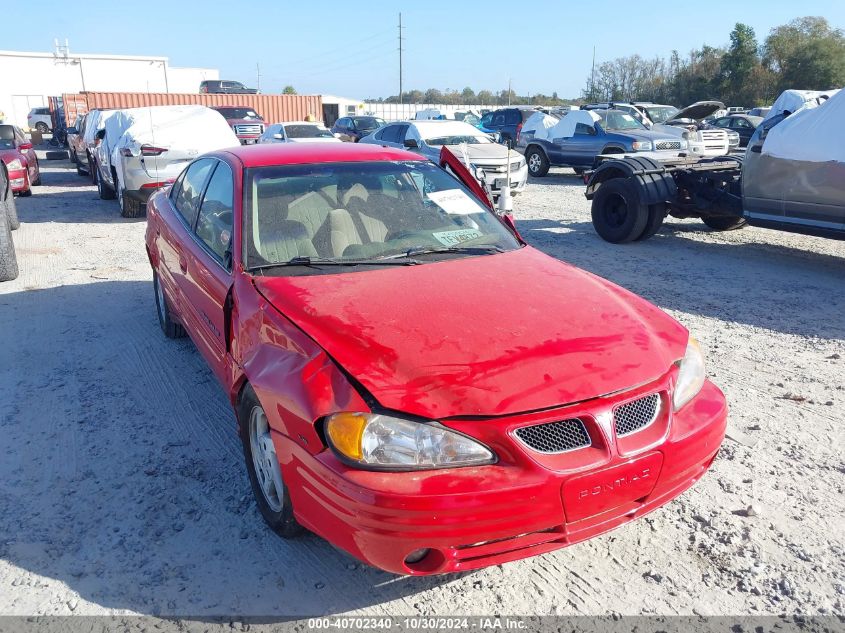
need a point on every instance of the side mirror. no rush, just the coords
(25, 146)
(756, 149)
(594, 131)
(411, 143)
(278, 136)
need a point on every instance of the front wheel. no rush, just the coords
(724, 222)
(538, 164)
(618, 214)
(263, 468)
(8, 259)
(10, 210)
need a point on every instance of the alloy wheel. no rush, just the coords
(264, 460)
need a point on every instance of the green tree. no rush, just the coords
(468, 95)
(806, 53)
(485, 97)
(740, 67)
(289, 90)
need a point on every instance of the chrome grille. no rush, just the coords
(555, 437)
(249, 129)
(636, 415)
(667, 145)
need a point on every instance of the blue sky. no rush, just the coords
(350, 48)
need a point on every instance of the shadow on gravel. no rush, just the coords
(77, 201)
(122, 475)
(765, 285)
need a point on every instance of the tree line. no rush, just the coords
(806, 53)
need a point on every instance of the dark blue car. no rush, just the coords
(583, 135)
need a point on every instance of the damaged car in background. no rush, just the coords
(792, 178)
(142, 149)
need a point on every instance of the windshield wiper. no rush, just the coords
(317, 262)
(428, 250)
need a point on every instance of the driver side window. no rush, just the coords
(214, 224)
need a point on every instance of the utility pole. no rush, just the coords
(400, 59)
(509, 90)
(593, 76)
(258, 76)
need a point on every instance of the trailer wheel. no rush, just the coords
(724, 222)
(618, 214)
(656, 215)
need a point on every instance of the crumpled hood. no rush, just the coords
(481, 336)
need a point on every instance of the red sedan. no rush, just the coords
(412, 381)
(21, 162)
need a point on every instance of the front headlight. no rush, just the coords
(691, 376)
(14, 165)
(642, 146)
(382, 442)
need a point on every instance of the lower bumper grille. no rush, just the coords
(555, 437)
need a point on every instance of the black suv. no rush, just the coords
(507, 122)
(226, 87)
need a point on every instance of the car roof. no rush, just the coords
(445, 126)
(265, 155)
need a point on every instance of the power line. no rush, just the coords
(333, 51)
(400, 58)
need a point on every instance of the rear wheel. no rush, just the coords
(656, 215)
(262, 465)
(538, 164)
(42, 127)
(724, 222)
(37, 181)
(10, 210)
(106, 192)
(129, 206)
(618, 214)
(170, 328)
(8, 259)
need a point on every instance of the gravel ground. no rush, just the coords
(123, 490)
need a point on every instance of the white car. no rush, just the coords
(492, 163)
(142, 149)
(298, 132)
(40, 119)
(704, 139)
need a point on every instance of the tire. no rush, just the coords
(10, 210)
(92, 170)
(538, 164)
(8, 259)
(656, 215)
(579, 171)
(259, 455)
(129, 207)
(37, 181)
(106, 192)
(724, 222)
(171, 328)
(42, 127)
(26, 193)
(79, 170)
(618, 215)
(74, 159)
(56, 155)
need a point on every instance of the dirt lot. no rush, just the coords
(122, 485)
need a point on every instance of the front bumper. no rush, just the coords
(522, 506)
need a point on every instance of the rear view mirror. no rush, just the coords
(411, 143)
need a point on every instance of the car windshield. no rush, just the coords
(458, 139)
(660, 114)
(307, 131)
(349, 214)
(247, 114)
(368, 122)
(615, 120)
(471, 119)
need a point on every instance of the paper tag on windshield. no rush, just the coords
(459, 236)
(454, 202)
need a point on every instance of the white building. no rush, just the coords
(28, 79)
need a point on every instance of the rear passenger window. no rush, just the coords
(187, 198)
(390, 134)
(214, 224)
